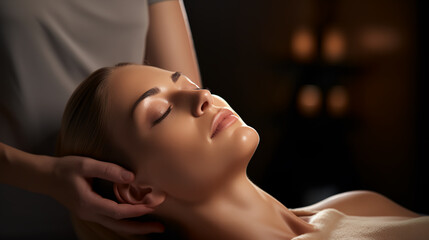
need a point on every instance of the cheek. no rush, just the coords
(179, 165)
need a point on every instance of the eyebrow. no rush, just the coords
(146, 94)
(153, 91)
(175, 76)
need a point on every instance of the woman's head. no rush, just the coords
(82, 127)
(181, 141)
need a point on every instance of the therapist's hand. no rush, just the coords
(72, 188)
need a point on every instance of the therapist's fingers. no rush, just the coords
(132, 227)
(118, 211)
(112, 215)
(108, 171)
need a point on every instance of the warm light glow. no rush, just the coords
(303, 44)
(333, 45)
(337, 101)
(379, 39)
(309, 100)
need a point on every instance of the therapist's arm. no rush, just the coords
(169, 40)
(67, 179)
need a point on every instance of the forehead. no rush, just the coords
(138, 76)
(127, 83)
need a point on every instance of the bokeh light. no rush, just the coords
(309, 100)
(303, 44)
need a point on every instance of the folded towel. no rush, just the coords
(332, 224)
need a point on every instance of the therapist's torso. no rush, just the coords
(47, 47)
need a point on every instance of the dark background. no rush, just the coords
(336, 89)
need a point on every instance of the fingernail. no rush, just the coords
(127, 176)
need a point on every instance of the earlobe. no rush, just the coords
(154, 198)
(135, 194)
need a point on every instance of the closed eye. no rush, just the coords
(157, 121)
(162, 117)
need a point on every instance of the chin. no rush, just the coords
(246, 141)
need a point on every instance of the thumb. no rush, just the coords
(107, 171)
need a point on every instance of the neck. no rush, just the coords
(239, 211)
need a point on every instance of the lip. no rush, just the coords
(223, 119)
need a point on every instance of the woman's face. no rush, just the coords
(179, 138)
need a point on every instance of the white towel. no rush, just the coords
(331, 224)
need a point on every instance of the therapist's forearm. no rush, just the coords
(24, 170)
(169, 41)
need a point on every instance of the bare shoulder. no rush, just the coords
(362, 203)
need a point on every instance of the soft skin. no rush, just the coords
(177, 155)
(162, 125)
(189, 176)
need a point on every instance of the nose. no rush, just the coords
(203, 101)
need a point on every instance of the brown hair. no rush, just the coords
(82, 129)
(83, 133)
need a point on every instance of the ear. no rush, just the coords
(138, 194)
